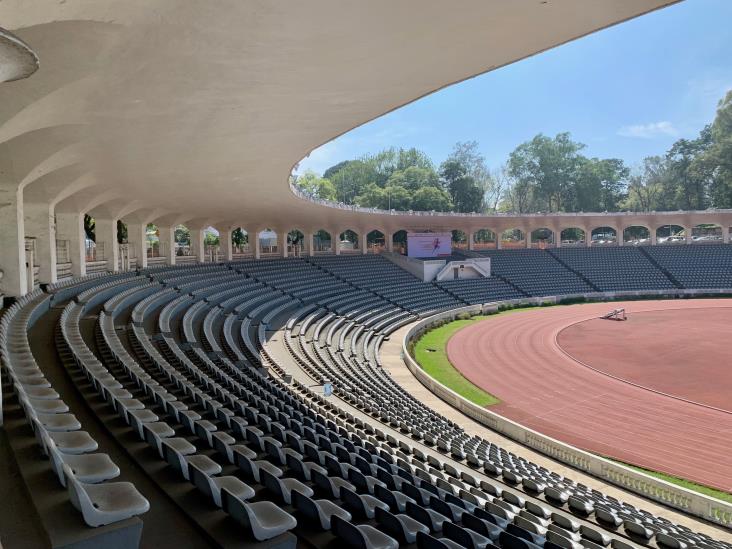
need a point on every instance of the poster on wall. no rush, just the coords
(429, 244)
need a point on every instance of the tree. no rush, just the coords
(210, 238)
(431, 199)
(549, 166)
(646, 185)
(600, 184)
(121, 232)
(89, 228)
(182, 235)
(350, 180)
(414, 178)
(464, 192)
(316, 187)
(238, 238)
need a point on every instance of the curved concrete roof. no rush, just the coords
(196, 111)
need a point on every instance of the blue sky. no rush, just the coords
(626, 92)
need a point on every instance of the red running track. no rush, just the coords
(517, 358)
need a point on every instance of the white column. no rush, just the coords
(557, 237)
(688, 235)
(652, 234)
(282, 242)
(527, 238)
(389, 236)
(225, 238)
(309, 247)
(257, 244)
(14, 279)
(70, 226)
(364, 241)
(588, 237)
(106, 235)
(499, 239)
(137, 233)
(167, 243)
(471, 240)
(619, 237)
(725, 235)
(39, 223)
(197, 246)
(336, 241)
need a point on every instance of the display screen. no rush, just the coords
(429, 244)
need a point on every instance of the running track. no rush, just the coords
(517, 358)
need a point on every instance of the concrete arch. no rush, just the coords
(484, 238)
(572, 236)
(636, 235)
(670, 234)
(514, 237)
(604, 236)
(541, 237)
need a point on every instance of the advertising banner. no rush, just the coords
(429, 244)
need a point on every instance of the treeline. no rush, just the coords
(545, 174)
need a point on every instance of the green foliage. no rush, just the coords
(121, 232)
(89, 226)
(210, 239)
(316, 187)
(431, 198)
(238, 238)
(182, 235)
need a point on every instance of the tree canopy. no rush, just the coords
(544, 174)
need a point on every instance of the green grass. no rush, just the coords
(430, 352)
(706, 490)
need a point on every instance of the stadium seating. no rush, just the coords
(183, 357)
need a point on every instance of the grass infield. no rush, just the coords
(430, 352)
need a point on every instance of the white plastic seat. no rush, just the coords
(105, 503)
(212, 485)
(89, 468)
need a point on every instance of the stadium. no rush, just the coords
(347, 375)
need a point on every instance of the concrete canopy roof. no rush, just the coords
(201, 109)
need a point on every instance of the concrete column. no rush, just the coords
(14, 279)
(588, 237)
(137, 233)
(70, 226)
(363, 240)
(309, 244)
(282, 242)
(619, 237)
(725, 235)
(336, 241)
(652, 234)
(197, 246)
(471, 239)
(106, 236)
(499, 239)
(688, 235)
(257, 245)
(226, 241)
(389, 237)
(39, 223)
(527, 237)
(167, 243)
(557, 237)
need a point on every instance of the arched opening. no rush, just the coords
(604, 236)
(182, 241)
(542, 238)
(670, 234)
(349, 241)
(459, 239)
(375, 242)
(484, 239)
(706, 233)
(637, 235)
(399, 242)
(513, 238)
(267, 242)
(322, 242)
(240, 243)
(295, 242)
(572, 236)
(211, 244)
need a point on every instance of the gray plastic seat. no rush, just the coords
(362, 536)
(88, 468)
(262, 519)
(320, 511)
(283, 487)
(400, 526)
(105, 503)
(212, 485)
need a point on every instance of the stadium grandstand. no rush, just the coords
(259, 395)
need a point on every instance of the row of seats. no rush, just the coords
(183, 355)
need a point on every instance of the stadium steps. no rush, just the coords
(658, 266)
(570, 269)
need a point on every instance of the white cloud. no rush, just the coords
(650, 130)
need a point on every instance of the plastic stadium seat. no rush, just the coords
(320, 511)
(212, 485)
(263, 520)
(362, 536)
(105, 503)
